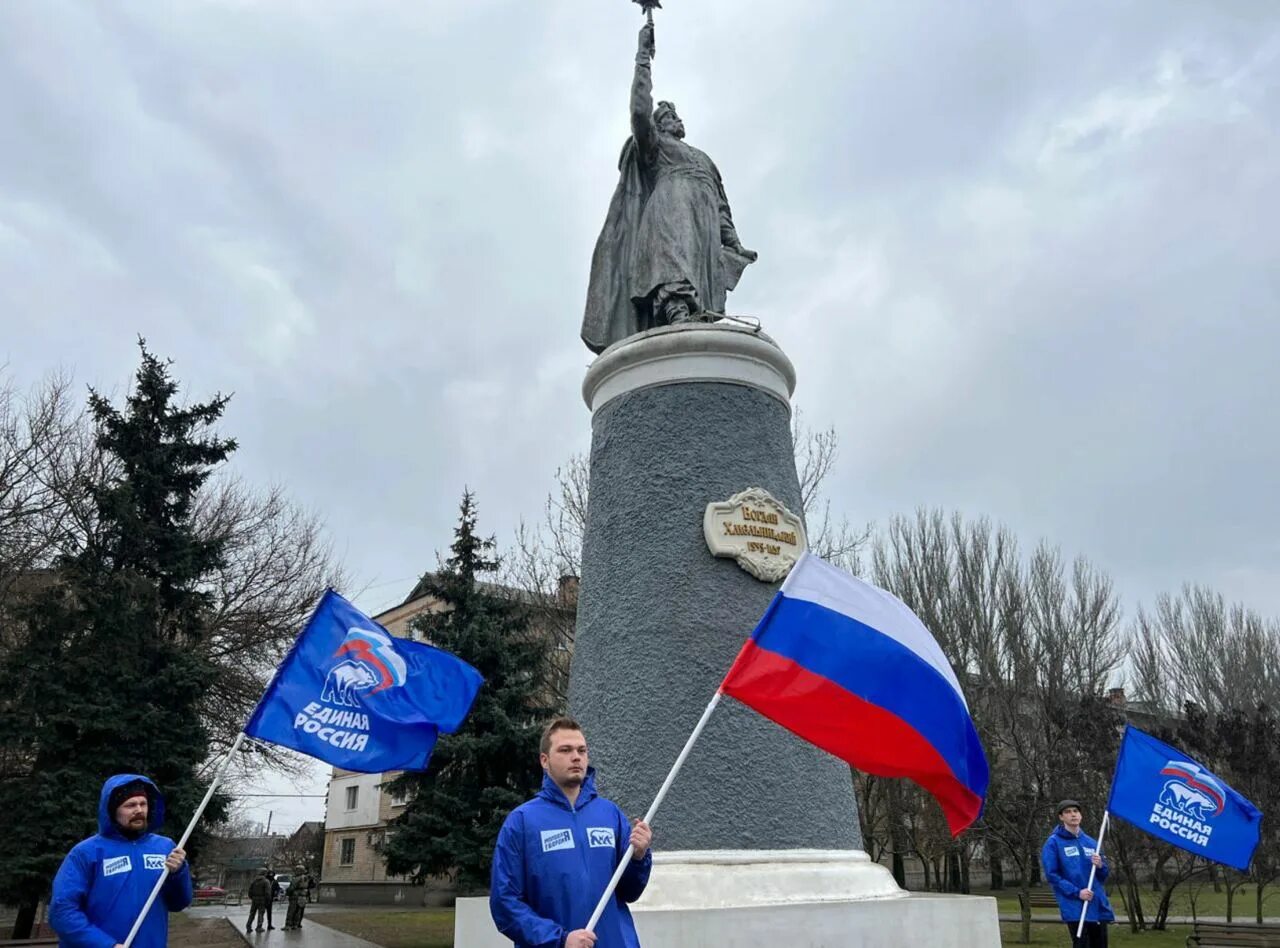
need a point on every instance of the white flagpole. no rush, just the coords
(155, 891)
(1102, 831)
(653, 807)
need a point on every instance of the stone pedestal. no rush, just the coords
(681, 417)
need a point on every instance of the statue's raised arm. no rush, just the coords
(669, 252)
(642, 92)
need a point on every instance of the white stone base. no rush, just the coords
(746, 878)
(694, 352)
(929, 921)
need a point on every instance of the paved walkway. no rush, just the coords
(312, 935)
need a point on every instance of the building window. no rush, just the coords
(353, 797)
(348, 855)
(398, 797)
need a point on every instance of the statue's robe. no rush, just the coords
(669, 229)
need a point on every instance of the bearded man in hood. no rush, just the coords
(105, 880)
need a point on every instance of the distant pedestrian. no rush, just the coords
(106, 879)
(259, 900)
(1067, 857)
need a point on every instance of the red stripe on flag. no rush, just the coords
(867, 736)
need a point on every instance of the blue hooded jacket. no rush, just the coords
(105, 880)
(552, 863)
(1067, 860)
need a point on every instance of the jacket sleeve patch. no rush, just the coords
(153, 861)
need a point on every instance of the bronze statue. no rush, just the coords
(668, 252)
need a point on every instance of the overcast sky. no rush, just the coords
(1025, 256)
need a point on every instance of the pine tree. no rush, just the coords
(108, 677)
(478, 775)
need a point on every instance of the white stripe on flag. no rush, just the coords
(816, 580)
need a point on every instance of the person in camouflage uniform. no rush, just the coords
(259, 900)
(297, 895)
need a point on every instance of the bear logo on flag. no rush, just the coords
(370, 664)
(1191, 790)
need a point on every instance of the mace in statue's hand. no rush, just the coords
(743, 251)
(647, 45)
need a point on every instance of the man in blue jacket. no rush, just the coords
(105, 880)
(1067, 857)
(556, 854)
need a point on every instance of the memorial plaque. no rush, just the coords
(756, 530)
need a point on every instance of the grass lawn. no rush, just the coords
(429, 928)
(1207, 902)
(1118, 936)
(188, 932)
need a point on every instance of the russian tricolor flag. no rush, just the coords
(848, 667)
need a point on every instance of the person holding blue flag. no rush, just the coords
(352, 695)
(1076, 870)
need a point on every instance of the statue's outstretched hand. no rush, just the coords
(647, 45)
(749, 254)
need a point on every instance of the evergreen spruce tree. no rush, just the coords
(107, 678)
(476, 776)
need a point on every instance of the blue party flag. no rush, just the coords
(359, 698)
(1164, 792)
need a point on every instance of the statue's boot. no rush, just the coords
(681, 310)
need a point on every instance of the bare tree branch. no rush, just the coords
(1193, 647)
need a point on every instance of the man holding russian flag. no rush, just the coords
(556, 850)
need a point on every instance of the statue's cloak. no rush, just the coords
(611, 315)
(667, 227)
